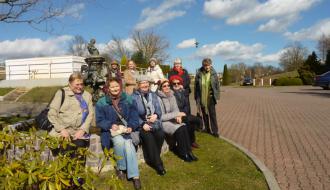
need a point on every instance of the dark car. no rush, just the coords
(247, 81)
(323, 80)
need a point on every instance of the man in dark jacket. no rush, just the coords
(207, 92)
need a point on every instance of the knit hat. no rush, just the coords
(143, 78)
(176, 77)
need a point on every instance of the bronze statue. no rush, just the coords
(93, 51)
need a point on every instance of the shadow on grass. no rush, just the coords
(220, 166)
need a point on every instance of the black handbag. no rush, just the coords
(42, 121)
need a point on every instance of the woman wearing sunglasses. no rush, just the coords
(172, 122)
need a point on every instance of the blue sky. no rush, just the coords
(228, 31)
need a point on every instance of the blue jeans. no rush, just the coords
(125, 149)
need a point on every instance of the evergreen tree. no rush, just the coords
(139, 58)
(327, 61)
(225, 76)
(310, 67)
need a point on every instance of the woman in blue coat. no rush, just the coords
(151, 132)
(117, 117)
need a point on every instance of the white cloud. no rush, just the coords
(151, 17)
(275, 12)
(277, 24)
(74, 10)
(312, 33)
(235, 51)
(128, 44)
(34, 47)
(186, 43)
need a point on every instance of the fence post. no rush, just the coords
(262, 82)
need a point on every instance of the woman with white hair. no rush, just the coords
(155, 73)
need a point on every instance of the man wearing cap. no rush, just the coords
(207, 92)
(183, 73)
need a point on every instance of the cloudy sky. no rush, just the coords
(228, 31)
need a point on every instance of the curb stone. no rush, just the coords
(270, 179)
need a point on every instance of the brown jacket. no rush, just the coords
(130, 81)
(69, 115)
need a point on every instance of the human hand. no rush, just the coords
(178, 119)
(152, 118)
(181, 114)
(147, 127)
(64, 133)
(80, 133)
(114, 127)
(129, 130)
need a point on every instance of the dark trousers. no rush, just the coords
(152, 142)
(193, 123)
(210, 117)
(181, 137)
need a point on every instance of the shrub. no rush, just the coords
(286, 81)
(27, 168)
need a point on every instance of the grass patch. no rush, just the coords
(39, 94)
(220, 166)
(4, 91)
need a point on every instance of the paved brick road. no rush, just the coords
(287, 128)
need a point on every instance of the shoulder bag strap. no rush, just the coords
(120, 116)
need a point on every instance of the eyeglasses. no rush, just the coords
(166, 85)
(175, 83)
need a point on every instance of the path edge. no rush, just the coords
(270, 179)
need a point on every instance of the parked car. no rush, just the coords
(247, 81)
(322, 80)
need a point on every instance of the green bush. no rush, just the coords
(287, 81)
(28, 170)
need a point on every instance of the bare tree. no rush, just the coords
(293, 56)
(323, 46)
(34, 12)
(151, 44)
(118, 49)
(77, 46)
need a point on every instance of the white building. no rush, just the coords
(42, 67)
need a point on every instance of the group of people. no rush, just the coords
(140, 110)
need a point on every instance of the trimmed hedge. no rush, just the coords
(287, 81)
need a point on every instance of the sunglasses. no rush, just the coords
(175, 83)
(166, 85)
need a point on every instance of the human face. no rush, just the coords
(114, 88)
(207, 67)
(178, 65)
(152, 64)
(144, 86)
(114, 66)
(131, 65)
(77, 86)
(176, 84)
(166, 87)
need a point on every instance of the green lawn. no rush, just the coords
(39, 94)
(220, 166)
(4, 91)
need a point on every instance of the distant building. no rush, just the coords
(42, 67)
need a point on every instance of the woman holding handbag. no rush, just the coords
(117, 117)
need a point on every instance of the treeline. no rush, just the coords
(236, 72)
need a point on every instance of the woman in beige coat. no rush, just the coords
(73, 118)
(130, 77)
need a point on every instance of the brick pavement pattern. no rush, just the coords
(287, 128)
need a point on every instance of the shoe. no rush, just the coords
(137, 183)
(120, 174)
(186, 158)
(192, 156)
(216, 135)
(194, 145)
(161, 171)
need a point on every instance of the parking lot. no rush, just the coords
(287, 128)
